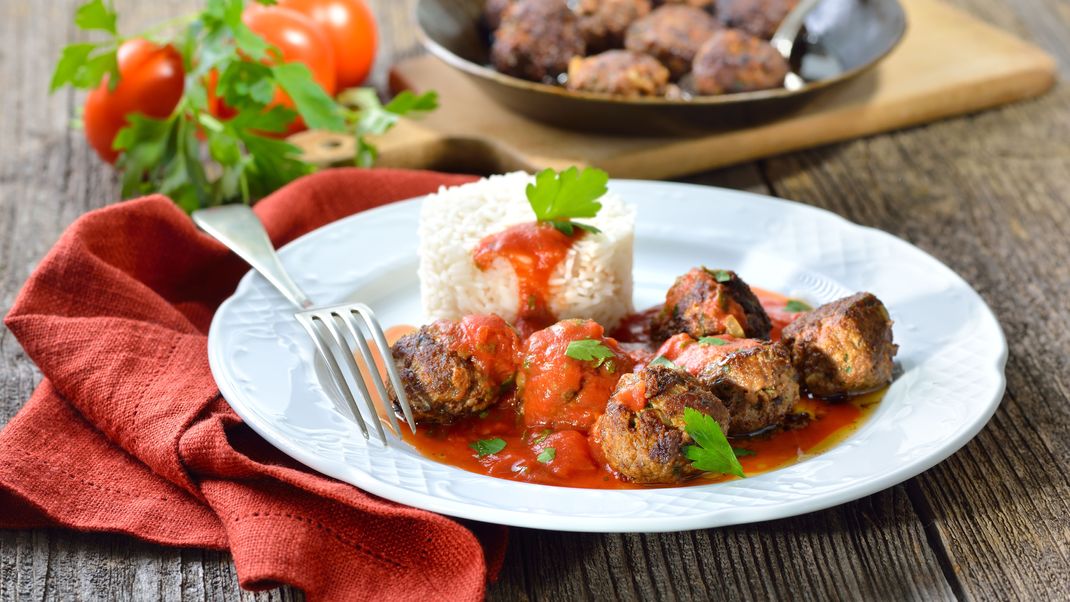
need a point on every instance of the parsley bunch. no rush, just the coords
(199, 159)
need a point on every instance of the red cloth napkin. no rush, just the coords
(128, 433)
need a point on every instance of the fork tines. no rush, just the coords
(336, 330)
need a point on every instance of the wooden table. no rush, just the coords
(988, 194)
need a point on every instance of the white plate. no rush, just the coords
(951, 354)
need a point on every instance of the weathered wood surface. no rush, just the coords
(987, 194)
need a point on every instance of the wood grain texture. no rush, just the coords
(987, 194)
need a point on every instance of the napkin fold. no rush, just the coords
(128, 433)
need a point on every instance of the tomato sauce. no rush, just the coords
(491, 343)
(817, 425)
(562, 392)
(534, 251)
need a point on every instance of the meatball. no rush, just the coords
(843, 347)
(757, 383)
(756, 17)
(603, 22)
(672, 34)
(706, 302)
(569, 371)
(536, 40)
(642, 436)
(492, 12)
(619, 72)
(735, 61)
(451, 369)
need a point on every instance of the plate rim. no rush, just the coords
(370, 484)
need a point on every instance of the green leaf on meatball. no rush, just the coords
(589, 350)
(712, 452)
(547, 455)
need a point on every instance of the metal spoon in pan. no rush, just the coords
(786, 35)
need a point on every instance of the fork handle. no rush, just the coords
(238, 228)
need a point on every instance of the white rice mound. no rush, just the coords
(594, 281)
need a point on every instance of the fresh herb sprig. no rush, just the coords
(661, 360)
(712, 452)
(547, 455)
(589, 350)
(795, 306)
(84, 64)
(558, 198)
(487, 447)
(199, 159)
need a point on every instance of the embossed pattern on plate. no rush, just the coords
(951, 358)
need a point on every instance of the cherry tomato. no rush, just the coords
(350, 26)
(151, 83)
(299, 39)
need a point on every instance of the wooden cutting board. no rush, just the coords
(948, 64)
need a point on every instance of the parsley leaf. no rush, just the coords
(313, 103)
(796, 306)
(543, 435)
(589, 350)
(558, 197)
(375, 118)
(547, 455)
(487, 447)
(720, 275)
(741, 452)
(712, 452)
(715, 341)
(96, 15)
(661, 360)
(84, 64)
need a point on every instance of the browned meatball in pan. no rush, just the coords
(757, 384)
(492, 12)
(603, 22)
(735, 61)
(536, 40)
(451, 369)
(705, 302)
(843, 347)
(756, 17)
(641, 434)
(620, 72)
(672, 34)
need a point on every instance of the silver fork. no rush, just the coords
(237, 227)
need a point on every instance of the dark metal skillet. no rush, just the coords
(843, 38)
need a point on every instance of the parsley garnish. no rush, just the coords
(795, 306)
(547, 455)
(717, 342)
(542, 436)
(742, 451)
(589, 350)
(713, 453)
(486, 447)
(661, 360)
(559, 197)
(720, 275)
